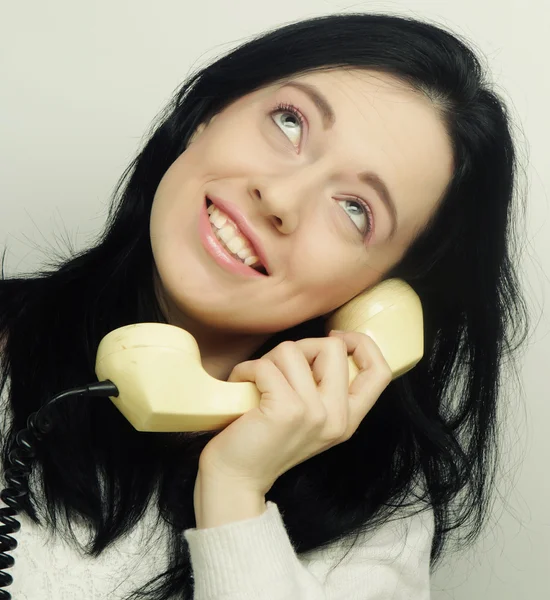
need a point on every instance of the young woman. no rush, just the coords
(350, 149)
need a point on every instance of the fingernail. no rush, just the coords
(337, 331)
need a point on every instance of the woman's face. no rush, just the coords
(311, 192)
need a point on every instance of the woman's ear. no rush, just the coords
(196, 134)
(199, 130)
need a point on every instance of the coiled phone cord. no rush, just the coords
(21, 458)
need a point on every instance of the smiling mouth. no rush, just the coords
(259, 267)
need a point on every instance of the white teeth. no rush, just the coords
(219, 220)
(235, 244)
(233, 241)
(226, 233)
(244, 253)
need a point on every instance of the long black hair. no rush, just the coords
(436, 424)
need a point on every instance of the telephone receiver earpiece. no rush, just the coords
(163, 387)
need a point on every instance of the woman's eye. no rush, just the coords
(289, 120)
(361, 216)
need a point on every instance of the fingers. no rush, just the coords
(294, 363)
(328, 359)
(314, 372)
(269, 380)
(317, 368)
(373, 377)
(307, 370)
(261, 372)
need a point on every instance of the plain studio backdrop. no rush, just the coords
(82, 81)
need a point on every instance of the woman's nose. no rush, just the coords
(277, 207)
(286, 198)
(283, 199)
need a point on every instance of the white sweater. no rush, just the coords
(245, 560)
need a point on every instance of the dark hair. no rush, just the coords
(434, 425)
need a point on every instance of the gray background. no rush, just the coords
(81, 83)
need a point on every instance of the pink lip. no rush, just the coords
(218, 252)
(242, 223)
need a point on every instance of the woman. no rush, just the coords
(350, 500)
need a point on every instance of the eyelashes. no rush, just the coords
(291, 109)
(366, 209)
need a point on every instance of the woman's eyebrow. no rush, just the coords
(327, 114)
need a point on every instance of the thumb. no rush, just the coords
(242, 372)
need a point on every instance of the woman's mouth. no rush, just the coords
(232, 239)
(226, 244)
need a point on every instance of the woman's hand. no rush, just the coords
(306, 407)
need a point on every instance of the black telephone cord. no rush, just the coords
(21, 459)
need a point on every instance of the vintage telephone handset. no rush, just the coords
(163, 387)
(153, 374)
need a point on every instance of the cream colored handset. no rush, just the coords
(163, 386)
